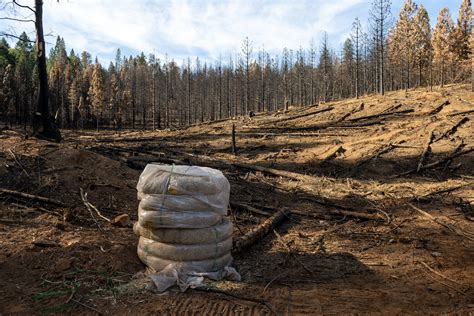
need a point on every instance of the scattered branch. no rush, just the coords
(452, 129)
(90, 206)
(442, 223)
(291, 253)
(439, 107)
(32, 197)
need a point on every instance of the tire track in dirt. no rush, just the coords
(217, 306)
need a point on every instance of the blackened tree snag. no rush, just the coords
(50, 129)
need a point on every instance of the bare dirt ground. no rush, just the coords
(369, 233)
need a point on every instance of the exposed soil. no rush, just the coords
(58, 259)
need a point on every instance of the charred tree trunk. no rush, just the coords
(50, 129)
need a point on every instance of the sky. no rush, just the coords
(208, 29)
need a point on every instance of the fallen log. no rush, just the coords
(453, 155)
(383, 114)
(359, 215)
(121, 139)
(357, 125)
(453, 128)
(358, 108)
(426, 151)
(260, 231)
(341, 210)
(456, 150)
(427, 197)
(249, 208)
(381, 150)
(276, 172)
(36, 198)
(392, 108)
(329, 108)
(461, 113)
(284, 134)
(438, 221)
(333, 153)
(439, 107)
(336, 125)
(151, 159)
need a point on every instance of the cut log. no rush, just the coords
(439, 107)
(383, 114)
(426, 151)
(260, 231)
(453, 128)
(36, 198)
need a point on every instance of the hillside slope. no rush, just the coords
(380, 189)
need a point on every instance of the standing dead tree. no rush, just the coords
(42, 116)
(379, 17)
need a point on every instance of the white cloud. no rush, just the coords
(208, 29)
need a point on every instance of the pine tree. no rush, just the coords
(8, 94)
(441, 42)
(325, 69)
(462, 32)
(423, 48)
(348, 65)
(96, 93)
(404, 38)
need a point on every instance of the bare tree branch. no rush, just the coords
(24, 6)
(17, 37)
(17, 20)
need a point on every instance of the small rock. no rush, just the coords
(436, 254)
(122, 220)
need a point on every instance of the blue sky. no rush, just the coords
(208, 29)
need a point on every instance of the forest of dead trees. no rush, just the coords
(148, 92)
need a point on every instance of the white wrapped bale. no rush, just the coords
(171, 219)
(196, 202)
(159, 264)
(183, 180)
(176, 252)
(206, 235)
(183, 226)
